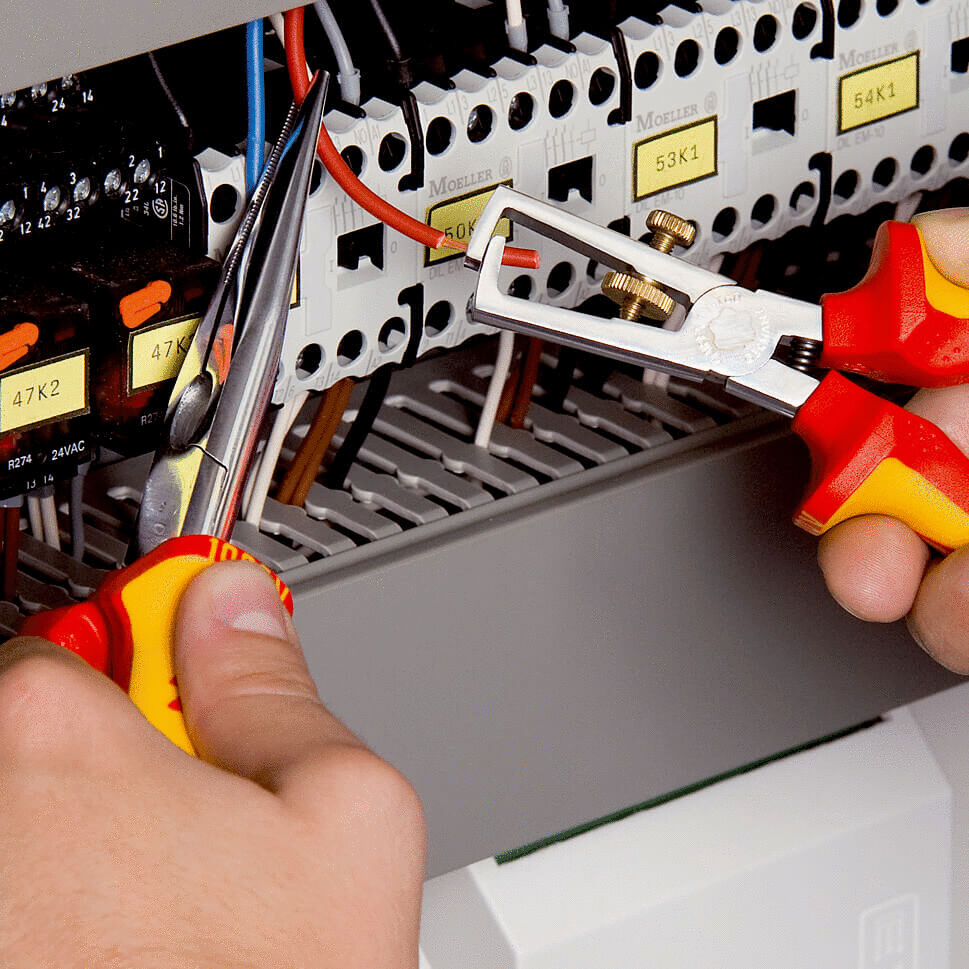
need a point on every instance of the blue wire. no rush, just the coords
(256, 142)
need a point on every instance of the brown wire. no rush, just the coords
(314, 460)
(11, 547)
(320, 421)
(284, 492)
(749, 278)
(508, 391)
(526, 383)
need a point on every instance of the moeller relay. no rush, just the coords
(146, 299)
(45, 430)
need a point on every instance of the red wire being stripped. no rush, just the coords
(348, 181)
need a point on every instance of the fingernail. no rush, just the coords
(244, 598)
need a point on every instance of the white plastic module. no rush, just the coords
(348, 320)
(728, 108)
(836, 856)
(726, 114)
(573, 157)
(897, 100)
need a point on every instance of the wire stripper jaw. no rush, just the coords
(730, 335)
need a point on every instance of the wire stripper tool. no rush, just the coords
(193, 491)
(903, 323)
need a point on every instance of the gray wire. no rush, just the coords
(167, 91)
(76, 507)
(347, 73)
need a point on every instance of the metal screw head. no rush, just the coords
(8, 99)
(68, 82)
(112, 182)
(8, 211)
(52, 198)
(82, 190)
(637, 297)
(142, 172)
(669, 230)
(38, 91)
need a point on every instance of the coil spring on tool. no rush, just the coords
(804, 353)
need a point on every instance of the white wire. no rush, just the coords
(270, 456)
(558, 19)
(278, 25)
(34, 517)
(279, 28)
(655, 378)
(347, 73)
(486, 423)
(48, 515)
(515, 25)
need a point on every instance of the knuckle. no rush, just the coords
(371, 791)
(39, 697)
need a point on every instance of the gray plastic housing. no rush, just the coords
(596, 642)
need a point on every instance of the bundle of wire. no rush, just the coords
(295, 486)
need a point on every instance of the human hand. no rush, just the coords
(287, 844)
(877, 568)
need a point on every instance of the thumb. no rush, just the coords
(946, 235)
(249, 702)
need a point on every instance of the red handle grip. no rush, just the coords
(872, 457)
(126, 629)
(904, 322)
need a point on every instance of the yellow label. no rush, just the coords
(675, 158)
(457, 217)
(881, 91)
(156, 353)
(294, 292)
(43, 393)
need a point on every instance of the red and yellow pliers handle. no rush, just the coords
(905, 323)
(126, 629)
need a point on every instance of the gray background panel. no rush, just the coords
(549, 665)
(46, 40)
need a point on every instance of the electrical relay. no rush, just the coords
(147, 297)
(45, 371)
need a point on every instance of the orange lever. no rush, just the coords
(126, 628)
(16, 342)
(141, 305)
(904, 322)
(872, 457)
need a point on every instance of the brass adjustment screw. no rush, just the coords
(638, 296)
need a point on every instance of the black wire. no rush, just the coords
(415, 178)
(373, 400)
(392, 41)
(560, 380)
(404, 79)
(170, 97)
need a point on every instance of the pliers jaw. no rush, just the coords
(729, 336)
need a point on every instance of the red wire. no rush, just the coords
(348, 181)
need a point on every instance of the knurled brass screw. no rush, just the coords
(669, 230)
(638, 296)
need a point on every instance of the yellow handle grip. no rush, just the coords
(127, 628)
